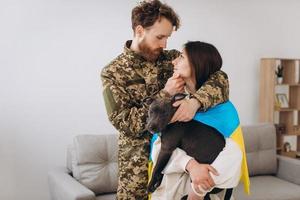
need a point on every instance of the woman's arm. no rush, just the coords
(224, 171)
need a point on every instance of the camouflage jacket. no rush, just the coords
(127, 81)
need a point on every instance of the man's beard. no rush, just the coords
(147, 53)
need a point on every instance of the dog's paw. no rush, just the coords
(151, 188)
(184, 197)
(154, 183)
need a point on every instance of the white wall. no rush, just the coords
(51, 53)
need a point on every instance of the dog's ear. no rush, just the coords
(178, 96)
(148, 100)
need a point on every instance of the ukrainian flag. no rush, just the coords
(225, 119)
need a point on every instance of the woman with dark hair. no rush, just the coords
(195, 65)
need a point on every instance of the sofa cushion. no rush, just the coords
(95, 164)
(268, 188)
(260, 144)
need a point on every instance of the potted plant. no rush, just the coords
(279, 73)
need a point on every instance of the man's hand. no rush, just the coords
(199, 174)
(174, 85)
(186, 111)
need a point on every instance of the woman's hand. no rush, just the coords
(186, 111)
(199, 174)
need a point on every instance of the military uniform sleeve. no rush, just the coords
(214, 91)
(126, 116)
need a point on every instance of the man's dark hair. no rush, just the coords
(147, 12)
(204, 58)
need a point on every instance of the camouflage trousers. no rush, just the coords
(133, 169)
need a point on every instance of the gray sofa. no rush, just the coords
(92, 160)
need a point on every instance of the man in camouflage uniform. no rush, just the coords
(144, 70)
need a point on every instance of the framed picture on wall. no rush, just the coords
(282, 100)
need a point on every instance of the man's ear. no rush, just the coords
(178, 96)
(139, 31)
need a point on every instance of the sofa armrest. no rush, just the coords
(62, 186)
(289, 169)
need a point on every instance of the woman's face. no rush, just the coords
(182, 66)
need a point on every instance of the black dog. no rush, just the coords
(198, 140)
